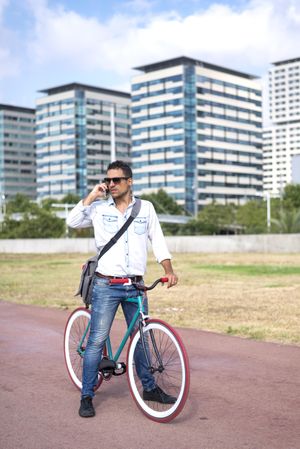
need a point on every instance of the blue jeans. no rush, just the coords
(105, 301)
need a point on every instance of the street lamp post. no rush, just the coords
(112, 134)
(2, 210)
(268, 198)
(3, 204)
(196, 193)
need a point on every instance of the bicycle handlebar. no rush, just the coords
(124, 281)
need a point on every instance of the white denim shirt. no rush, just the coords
(128, 256)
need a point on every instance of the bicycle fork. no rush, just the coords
(151, 368)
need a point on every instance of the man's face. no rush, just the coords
(122, 186)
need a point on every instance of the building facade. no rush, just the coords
(80, 129)
(17, 152)
(281, 140)
(197, 133)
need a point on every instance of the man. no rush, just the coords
(106, 208)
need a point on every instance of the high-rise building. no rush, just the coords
(80, 128)
(17, 152)
(282, 138)
(197, 132)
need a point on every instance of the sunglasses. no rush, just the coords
(115, 180)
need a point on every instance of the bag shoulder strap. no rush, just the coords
(134, 213)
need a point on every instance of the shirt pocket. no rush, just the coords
(110, 223)
(140, 225)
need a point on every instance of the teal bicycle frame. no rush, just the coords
(139, 312)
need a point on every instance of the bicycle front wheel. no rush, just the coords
(169, 365)
(75, 340)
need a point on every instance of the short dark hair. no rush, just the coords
(123, 166)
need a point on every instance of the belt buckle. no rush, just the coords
(120, 281)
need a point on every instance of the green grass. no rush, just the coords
(255, 334)
(251, 270)
(249, 295)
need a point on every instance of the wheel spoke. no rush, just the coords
(74, 332)
(174, 378)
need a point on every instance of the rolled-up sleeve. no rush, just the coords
(80, 216)
(156, 237)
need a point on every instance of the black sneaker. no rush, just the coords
(158, 395)
(86, 407)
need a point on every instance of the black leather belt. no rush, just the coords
(132, 278)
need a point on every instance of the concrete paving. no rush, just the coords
(244, 394)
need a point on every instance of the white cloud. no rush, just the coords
(54, 44)
(294, 12)
(252, 37)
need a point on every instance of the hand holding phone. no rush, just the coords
(100, 191)
(106, 190)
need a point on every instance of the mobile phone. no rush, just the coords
(106, 189)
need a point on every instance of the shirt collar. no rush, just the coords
(110, 201)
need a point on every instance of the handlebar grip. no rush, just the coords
(165, 279)
(142, 287)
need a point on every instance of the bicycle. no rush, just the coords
(164, 351)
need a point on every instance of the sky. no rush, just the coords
(46, 43)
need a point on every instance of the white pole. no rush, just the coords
(196, 193)
(1, 211)
(268, 210)
(112, 134)
(3, 206)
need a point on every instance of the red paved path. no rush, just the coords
(244, 394)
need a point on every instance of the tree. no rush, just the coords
(213, 219)
(291, 196)
(252, 216)
(41, 224)
(35, 221)
(70, 198)
(218, 218)
(288, 221)
(47, 203)
(20, 203)
(196, 227)
(163, 203)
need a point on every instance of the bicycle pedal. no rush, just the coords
(106, 376)
(107, 365)
(120, 369)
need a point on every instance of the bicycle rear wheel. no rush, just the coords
(169, 361)
(75, 340)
